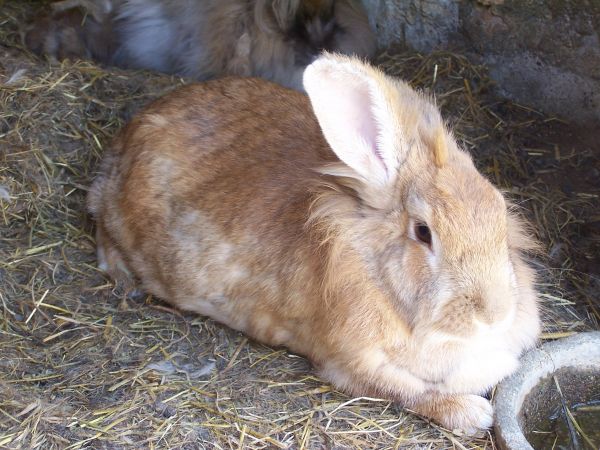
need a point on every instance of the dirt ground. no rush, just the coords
(83, 367)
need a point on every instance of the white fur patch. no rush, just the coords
(101, 256)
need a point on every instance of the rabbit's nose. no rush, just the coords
(490, 308)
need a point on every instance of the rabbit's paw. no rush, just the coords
(463, 414)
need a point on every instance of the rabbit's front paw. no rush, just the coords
(468, 414)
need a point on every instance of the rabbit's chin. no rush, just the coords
(477, 368)
(474, 364)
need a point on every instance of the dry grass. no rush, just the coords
(82, 367)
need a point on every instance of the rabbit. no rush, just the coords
(346, 225)
(203, 39)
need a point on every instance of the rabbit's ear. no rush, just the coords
(354, 105)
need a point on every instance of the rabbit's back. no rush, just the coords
(197, 186)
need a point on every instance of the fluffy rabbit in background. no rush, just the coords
(202, 39)
(347, 226)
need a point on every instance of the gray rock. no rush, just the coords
(543, 53)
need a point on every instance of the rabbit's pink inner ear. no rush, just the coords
(360, 120)
(343, 104)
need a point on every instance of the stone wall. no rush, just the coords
(544, 53)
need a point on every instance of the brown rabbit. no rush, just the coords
(354, 232)
(203, 39)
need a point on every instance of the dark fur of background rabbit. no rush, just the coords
(202, 39)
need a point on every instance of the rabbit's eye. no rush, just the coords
(423, 233)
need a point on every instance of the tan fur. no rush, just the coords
(440, 150)
(224, 198)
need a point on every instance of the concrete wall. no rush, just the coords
(544, 53)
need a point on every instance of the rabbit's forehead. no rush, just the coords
(462, 203)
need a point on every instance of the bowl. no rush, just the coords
(533, 405)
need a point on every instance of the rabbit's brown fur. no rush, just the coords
(230, 199)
